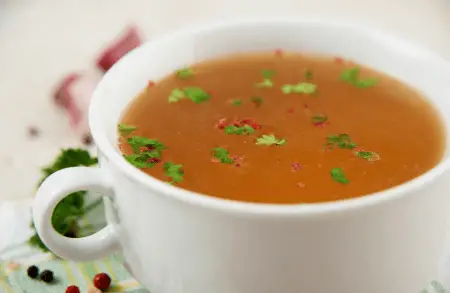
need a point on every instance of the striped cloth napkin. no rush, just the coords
(16, 256)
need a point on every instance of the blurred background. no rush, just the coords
(41, 41)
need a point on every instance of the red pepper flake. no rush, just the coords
(211, 92)
(154, 160)
(222, 123)
(291, 110)
(301, 184)
(305, 106)
(237, 159)
(151, 84)
(237, 165)
(295, 167)
(278, 52)
(338, 60)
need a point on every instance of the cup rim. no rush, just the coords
(249, 208)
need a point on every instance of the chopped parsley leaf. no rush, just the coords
(267, 73)
(222, 155)
(239, 130)
(339, 176)
(142, 160)
(369, 156)
(176, 95)
(196, 94)
(319, 119)
(237, 102)
(257, 101)
(299, 88)
(352, 76)
(174, 171)
(193, 93)
(265, 83)
(125, 129)
(342, 141)
(184, 73)
(270, 139)
(308, 74)
(137, 142)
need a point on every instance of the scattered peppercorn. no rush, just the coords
(33, 272)
(72, 289)
(87, 139)
(46, 276)
(33, 131)
(102, 281)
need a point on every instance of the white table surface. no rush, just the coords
(41, 40)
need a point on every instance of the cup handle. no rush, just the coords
(51, 192)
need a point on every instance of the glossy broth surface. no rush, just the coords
(333, 129)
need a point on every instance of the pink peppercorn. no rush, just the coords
(102, 281)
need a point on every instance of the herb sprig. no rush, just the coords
(223, 155)
(239, 130)
(71, 209)
(299, 88)
(338, 175)
(342, 141)
(194, 93)
(352, 76)
(267, 81)
(174, 171)
(270, 139)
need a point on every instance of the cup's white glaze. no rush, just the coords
(176, 241)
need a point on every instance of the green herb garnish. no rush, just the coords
(308, 74)
(267, 79)
(342, 141)
(223, 155)
(369, 156)
(300, 88)
(185, 73)
(257, 101)
(193, 93)
(174, 171)
(270, 139)
(319, 119)
(143, 160)
(237, 102)
(196, 94)
(176, 95)
(125, 129)
(352, 76)
(138, 142)
(239, 130)
(339, 176)
(68, 213)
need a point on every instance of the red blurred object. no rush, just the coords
(102, 281)
(72, 289)
(73, 94)
(129, 40)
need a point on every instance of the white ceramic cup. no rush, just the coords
(177, 241)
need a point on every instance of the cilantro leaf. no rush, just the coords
(222, 155)
(239, 130)
(237, 102)
(342, 141)
(308, 74)
(317, 119)
(125, 129)
(267, 73)
(338, 175)
(196, 94)
(369, 156)
(176, 95)
(142, 160)
(137, 142)
(185, 73)
(270, 140)
(352, 76)
(72, 208)
(174, 171)
(299, 88)
(265, 83)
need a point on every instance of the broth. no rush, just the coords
(282, 128)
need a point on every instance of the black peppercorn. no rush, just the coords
(33, 272)
(46, 276)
